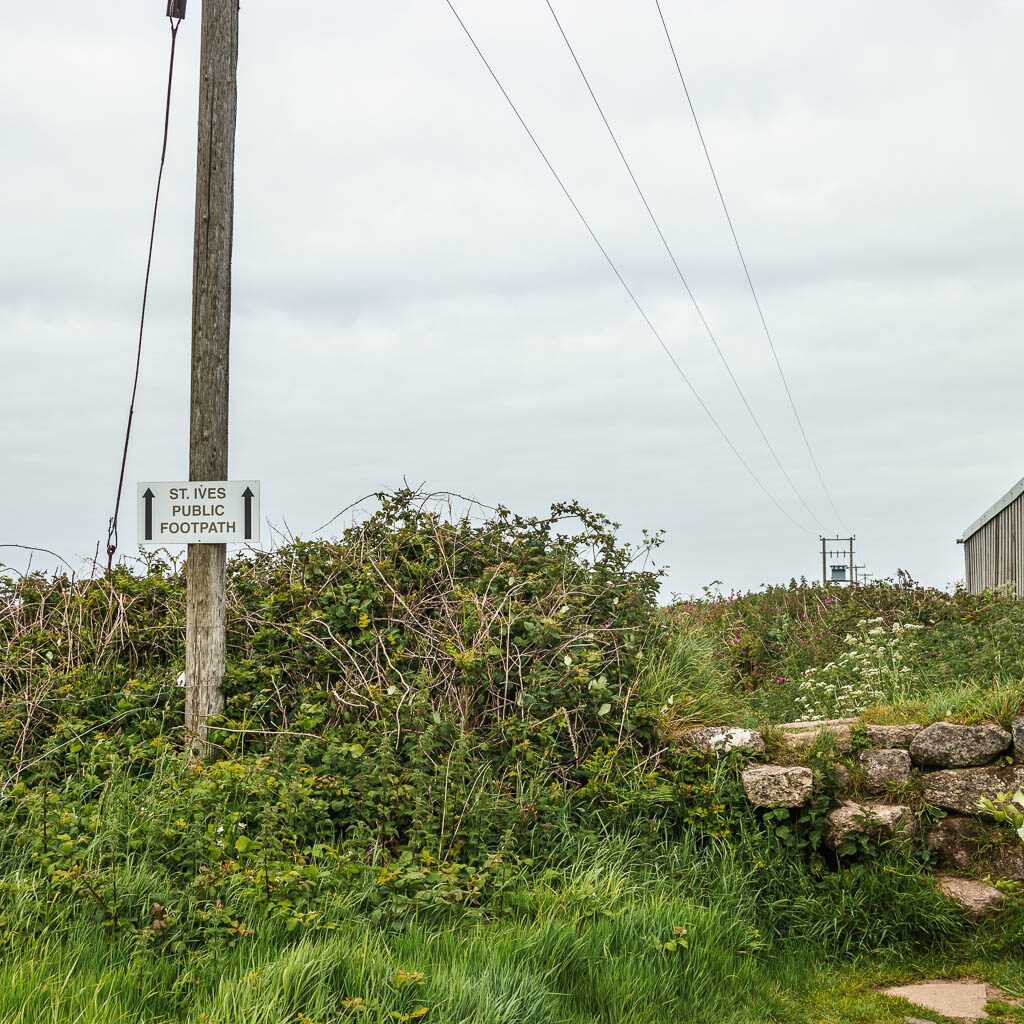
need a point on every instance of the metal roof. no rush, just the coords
(1007, 499)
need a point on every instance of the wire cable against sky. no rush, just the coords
(615, 271)
(679, 272)
(112, 526)
(746, 271)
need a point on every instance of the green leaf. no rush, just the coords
(242, 843)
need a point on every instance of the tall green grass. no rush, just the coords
(581, 937)
(687, 681)
(740, 659)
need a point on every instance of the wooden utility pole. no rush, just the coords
(211, 328)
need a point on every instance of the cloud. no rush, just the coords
(414, 297)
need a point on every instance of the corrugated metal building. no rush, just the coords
(994, 545)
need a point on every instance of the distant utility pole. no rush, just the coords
(211, 328)
(833, 571)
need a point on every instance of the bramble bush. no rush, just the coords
(420, 686)
(500, 625)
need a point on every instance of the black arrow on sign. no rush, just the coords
(248, 496)
(148, 498)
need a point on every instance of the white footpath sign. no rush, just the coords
(199, 512)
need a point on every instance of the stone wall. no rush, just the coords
(890, 768)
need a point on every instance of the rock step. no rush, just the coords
(948, 745)
(884, 766)
(967, 844)
(776, 785)
(803, 734)
(976, 898)
(960, 789)
(823, 724)
(892, 735)
(878, 822)
(722, 738)
(940, 745)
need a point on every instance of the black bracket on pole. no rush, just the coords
(176, 9)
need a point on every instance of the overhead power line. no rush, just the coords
(615, 270)
(746, 270)
(679, 272)
(175, 21)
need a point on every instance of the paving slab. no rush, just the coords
(965, 1000)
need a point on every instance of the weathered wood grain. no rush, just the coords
(211, 330)
(994, 554)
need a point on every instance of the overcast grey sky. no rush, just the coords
(415, 298)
